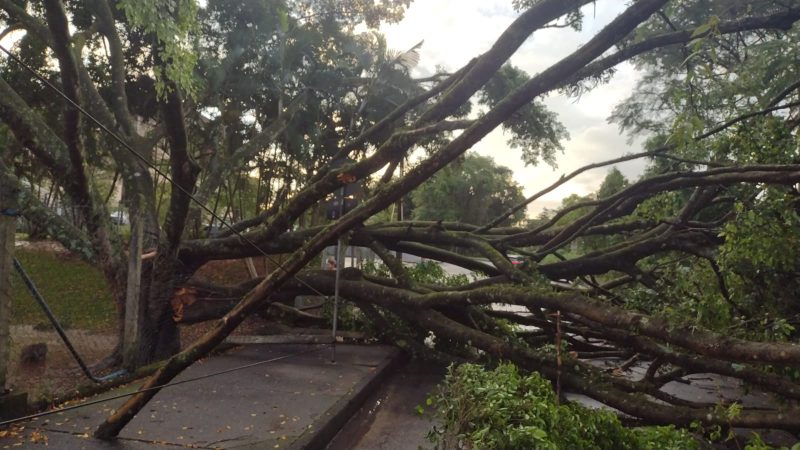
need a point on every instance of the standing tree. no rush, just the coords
(472, 190)
(276, 86)
(614, 182)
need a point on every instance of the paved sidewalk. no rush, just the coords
(295, 402)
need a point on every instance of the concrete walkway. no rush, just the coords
(300, 401)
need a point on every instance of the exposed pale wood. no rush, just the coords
(251, 268)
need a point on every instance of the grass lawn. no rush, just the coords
(75, 291)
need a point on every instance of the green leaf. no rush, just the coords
(283, 20)
(702, 29)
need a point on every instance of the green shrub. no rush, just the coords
(502, 409)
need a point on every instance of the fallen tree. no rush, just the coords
(468, 314)
(586, 311)
(692, 268)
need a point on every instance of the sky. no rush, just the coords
(454, 31)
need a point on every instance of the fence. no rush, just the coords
(40, 363)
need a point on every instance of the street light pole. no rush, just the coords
(336, 279)
(347, 199)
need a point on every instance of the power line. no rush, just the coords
(153, 388)
(145, 162)
(152, 166)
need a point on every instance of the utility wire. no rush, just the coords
(152, 166)
(145, 162)
(176, 383)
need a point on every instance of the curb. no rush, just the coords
(326, 426)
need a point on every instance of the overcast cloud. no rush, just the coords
(457, 30)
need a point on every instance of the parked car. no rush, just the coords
(119, 218)
(211, 230)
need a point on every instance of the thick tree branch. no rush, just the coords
(773, 174)
(563, 179)
(56, 226)
(782, 21)
(182, 170)
(119, 98)
(30, 23)
(34, 134)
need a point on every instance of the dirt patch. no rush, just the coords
(45, 246)
(190, 333)
(57, 373)
(234, 271)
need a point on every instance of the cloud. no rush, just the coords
(457, 30)
(454, 31)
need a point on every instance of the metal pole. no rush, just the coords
(336, 282)
(400, 215)
(336, 296)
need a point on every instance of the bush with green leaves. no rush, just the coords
(424, 272)
(504, 409)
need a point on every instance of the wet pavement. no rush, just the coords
(278, 404)
(301, 401)
(390, 419)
